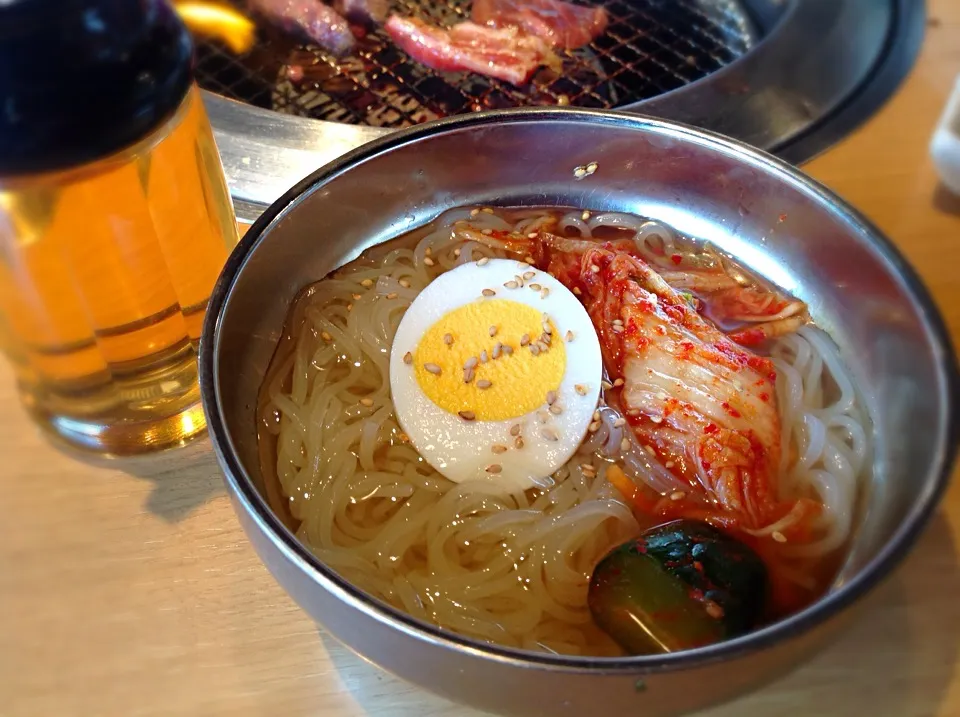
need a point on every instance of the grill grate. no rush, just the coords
(650, 47)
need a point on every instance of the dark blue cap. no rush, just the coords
(81, 79)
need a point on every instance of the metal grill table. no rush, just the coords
(650, 47)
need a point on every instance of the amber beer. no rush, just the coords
(106, 268)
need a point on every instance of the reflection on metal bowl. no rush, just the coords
(774, 219)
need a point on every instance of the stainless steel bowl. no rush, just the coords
(773, 218)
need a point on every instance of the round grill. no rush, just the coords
(650, 47)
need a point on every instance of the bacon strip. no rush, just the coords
(561, 24)
(505, 54)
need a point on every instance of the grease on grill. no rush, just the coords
(650, 47)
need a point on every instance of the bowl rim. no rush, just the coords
(241, 486)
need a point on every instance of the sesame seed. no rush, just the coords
(618, 322)
(585, 215)
(357, 297)
(529, 275)
(678, 495)
(547, 329)
(535, 287)
(492, 331)
(487, 210)
(467, 415)
(596, 415)
(595, 269)
(408, 358)
(474, 212)
(499, 448)
(484, 260)
(544, 293)
(367, 283)
(620, 422)
(511, 285)
(625, 444)
(484, 383)
(525, 339)
(543, 347)
(618, 382)
(403, 437)
(494, 468)
(581, 389)
(714, 610)
(594, 427)
(532, 235)
(392, 295)
(488, 292)
(649, 449)
(551, 397)
(656, 419)
(470, 362)
(428, 251)
(778, 536)
(617, 328)
(483, 356)
(634, 412)
(668, 465)
(550, 434)
(515, 429)
(349, 307)
(326, 336)
(544, 416)
(587, 467)
(497, 348)
(456, 253)
(448, 339)
(568, 336)
(366, 402)
(579, 173)
(576, 291)
(528, 259)
(535, 349)
(432, 368)
(606, 385)
(592, 167)
(468, 375)
(428, 261)
(507, 349)
(556, 409)
(486, 232)
(404, 283)
(518, 442)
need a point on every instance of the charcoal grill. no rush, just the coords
(785, 75)
(650, 47)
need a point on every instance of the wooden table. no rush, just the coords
(134, 592)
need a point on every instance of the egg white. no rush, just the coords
(461, 450)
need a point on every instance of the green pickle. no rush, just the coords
(678, 586)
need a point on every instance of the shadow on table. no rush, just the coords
(380, 694)
(896, 657)
(183, 478)
(946, 201)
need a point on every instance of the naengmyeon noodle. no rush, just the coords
(512, 570)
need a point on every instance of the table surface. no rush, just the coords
(129, 592)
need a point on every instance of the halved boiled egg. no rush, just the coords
(495, 373)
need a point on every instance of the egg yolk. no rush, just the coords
(512, 385)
